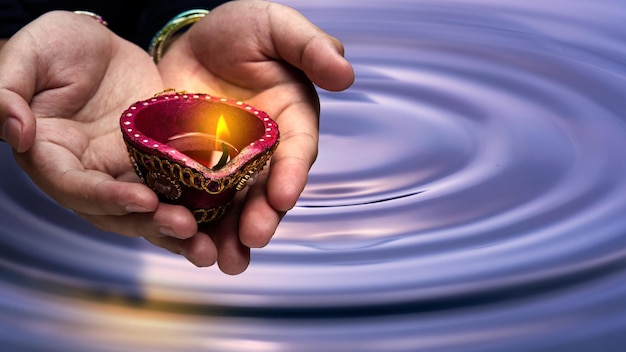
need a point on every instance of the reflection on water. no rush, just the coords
(469, 195)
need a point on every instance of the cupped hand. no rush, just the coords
(64, 81)
(267, 55)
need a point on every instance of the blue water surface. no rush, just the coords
(469, 195)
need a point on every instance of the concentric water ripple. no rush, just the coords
(469, 195)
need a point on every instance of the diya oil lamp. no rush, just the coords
(197, 150)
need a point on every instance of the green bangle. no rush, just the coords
(177, 23)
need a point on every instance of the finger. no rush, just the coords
(172, 245)
(290, 164)
(60, 174)
(97, 193)
(233, 256)
(198, 250)
(259, 220)
(168, 221)
(306, 46)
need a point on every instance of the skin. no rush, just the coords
(60, 102)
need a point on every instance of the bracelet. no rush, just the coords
(177, 23)
(92, 15)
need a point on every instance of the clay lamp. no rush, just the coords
(197, 150)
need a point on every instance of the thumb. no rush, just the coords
(17, 86)
(17, 123)
(309, 48)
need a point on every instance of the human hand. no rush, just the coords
(64, 81)
(267, 55)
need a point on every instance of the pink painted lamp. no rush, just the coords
(197, 150)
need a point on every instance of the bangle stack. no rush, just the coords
(184, 19)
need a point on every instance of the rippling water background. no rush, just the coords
(469, 195)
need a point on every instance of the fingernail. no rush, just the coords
(168, 232)
(11, 132)
(136, 208)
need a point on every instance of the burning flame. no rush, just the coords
(221, 133)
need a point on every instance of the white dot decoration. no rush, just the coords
(145, 104)
(137, 135)
(130, 130)
(127, 122)
(239, 103)
(129, 115)
(155, 145)
(133, 108)
(145, 141)
(248, 108)
(196, 96)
